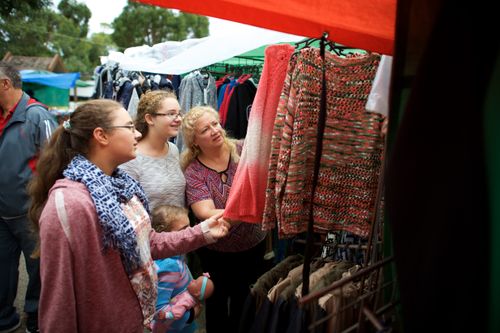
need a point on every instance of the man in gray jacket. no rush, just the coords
(25, 125)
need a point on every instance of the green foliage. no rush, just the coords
(140, 24)
(33, 28)
(100, 44)
(43, 32)
(10, 7)
(197, 26)
(78, 13)
(25, 31)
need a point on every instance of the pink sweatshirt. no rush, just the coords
(86, 289)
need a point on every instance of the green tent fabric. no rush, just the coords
(52, 89)
(50, 96)
(256, 56)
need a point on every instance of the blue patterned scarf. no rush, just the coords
(108, 192)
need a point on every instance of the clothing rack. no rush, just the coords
(335, 245)
(376, 298)
(334, 47)
(221, 69)
(319, 149)
(372, 301)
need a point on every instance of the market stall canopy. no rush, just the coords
(182, 57)
(364, 24)
(62, 81)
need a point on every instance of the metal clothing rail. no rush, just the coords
(317, 160)
(373, 302)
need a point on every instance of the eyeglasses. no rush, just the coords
(169, 115)
(130, 127)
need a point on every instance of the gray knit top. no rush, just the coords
(161, 177)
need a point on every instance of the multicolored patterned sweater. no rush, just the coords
(352, 147)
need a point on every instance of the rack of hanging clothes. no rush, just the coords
(235, 96)
(237, 66)
(321, 152)
(197, 88)
(126, 87)
(361, 295)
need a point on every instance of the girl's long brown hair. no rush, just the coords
(60, 150)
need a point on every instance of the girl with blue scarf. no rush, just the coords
(96, 244)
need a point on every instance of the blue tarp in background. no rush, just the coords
(57, 80)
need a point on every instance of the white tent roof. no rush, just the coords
(191, 54)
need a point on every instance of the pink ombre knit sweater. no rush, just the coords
(247, 197)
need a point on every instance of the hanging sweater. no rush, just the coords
(247, 196)
(352, 145)
(239, 109)
(195, 90)
(272, 203)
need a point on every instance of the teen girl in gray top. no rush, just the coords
(156, 166)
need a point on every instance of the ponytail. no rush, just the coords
(67, 141)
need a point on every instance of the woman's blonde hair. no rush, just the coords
(150, 103)
(191, 151)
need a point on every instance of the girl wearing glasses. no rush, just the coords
(95, 237)
(157, 166)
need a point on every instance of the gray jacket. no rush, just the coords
(20, 142)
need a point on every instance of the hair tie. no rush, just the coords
(66, 125)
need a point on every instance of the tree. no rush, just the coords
(197, 26)
(100, 45)
(10, 7)
(78, 13)
(140, 24)
(40, 31)
(24, 31)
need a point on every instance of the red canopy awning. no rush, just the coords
(365, 24)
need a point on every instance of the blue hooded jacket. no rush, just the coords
(25, 133)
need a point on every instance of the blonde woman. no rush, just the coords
(235, 261)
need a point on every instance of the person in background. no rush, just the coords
(25, 125)
(96, 242)
(173, 273)
(235, 261)
(156, 166)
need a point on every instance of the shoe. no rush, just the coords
(32, 322)
(11, 327)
